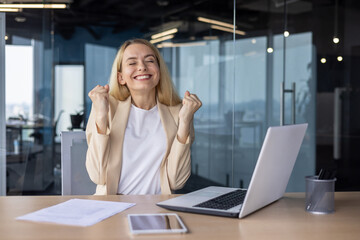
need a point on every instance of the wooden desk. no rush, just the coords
(284, 219)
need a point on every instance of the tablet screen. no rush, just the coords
(156, 223)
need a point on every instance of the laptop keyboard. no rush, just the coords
(225, 201)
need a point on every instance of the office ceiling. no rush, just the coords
(255, 17)
(151, 16)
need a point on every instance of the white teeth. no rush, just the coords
(142, 77)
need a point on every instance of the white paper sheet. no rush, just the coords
(77, 212)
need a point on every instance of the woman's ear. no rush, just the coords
(120, 79)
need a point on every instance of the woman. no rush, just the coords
(139, 131)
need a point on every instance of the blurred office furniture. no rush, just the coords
(227, 146)
(16, 165)
(239, 122)
(24, 169)
(19, 127)
(75, 179)
(38, 133)
(26, 157)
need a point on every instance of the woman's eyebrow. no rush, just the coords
(150, 55)
(130, 58)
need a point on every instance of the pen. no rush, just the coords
(321, 174)
(317, 194)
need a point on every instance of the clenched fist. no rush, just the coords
(99, 96)
(191, 103)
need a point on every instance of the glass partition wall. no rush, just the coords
(254, 64)
(238, 75)
(28, 104)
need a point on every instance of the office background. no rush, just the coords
(296, 59)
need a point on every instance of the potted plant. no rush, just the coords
(76, 119)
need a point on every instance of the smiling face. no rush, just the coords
(139, 69)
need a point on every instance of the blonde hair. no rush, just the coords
(165, 91)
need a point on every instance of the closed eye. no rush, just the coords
(150, 59)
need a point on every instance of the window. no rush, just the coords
(19, 75)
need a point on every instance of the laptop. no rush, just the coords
(268, 182)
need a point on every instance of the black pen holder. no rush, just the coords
(320, 195)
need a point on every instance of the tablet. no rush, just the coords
(156, 223)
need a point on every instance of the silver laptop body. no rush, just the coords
(268, 182)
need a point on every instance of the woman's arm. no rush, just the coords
(97, 135)
(191, 103)
(179, 162)
(98, 151)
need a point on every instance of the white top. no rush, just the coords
(143, 150)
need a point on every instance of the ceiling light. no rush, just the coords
(6, 37)
(280, 3)
(185, 44)
(323, 60)
(20, 19)
(336, 40)
(269, 42)
(227, 29)
(167, 32)
(162, 39)
(9, 9)
(339, 58)
(162, 3)
(286, 33)
(210, 38)
(47, 6)
(211, 21)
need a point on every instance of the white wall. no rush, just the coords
(68, 78)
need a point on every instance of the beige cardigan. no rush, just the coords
(104, 155)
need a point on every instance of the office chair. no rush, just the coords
(75, 179)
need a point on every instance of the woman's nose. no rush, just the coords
(141, 66)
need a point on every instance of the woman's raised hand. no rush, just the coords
(191, 103)
(99, 96)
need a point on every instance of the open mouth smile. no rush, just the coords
(143, 77)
